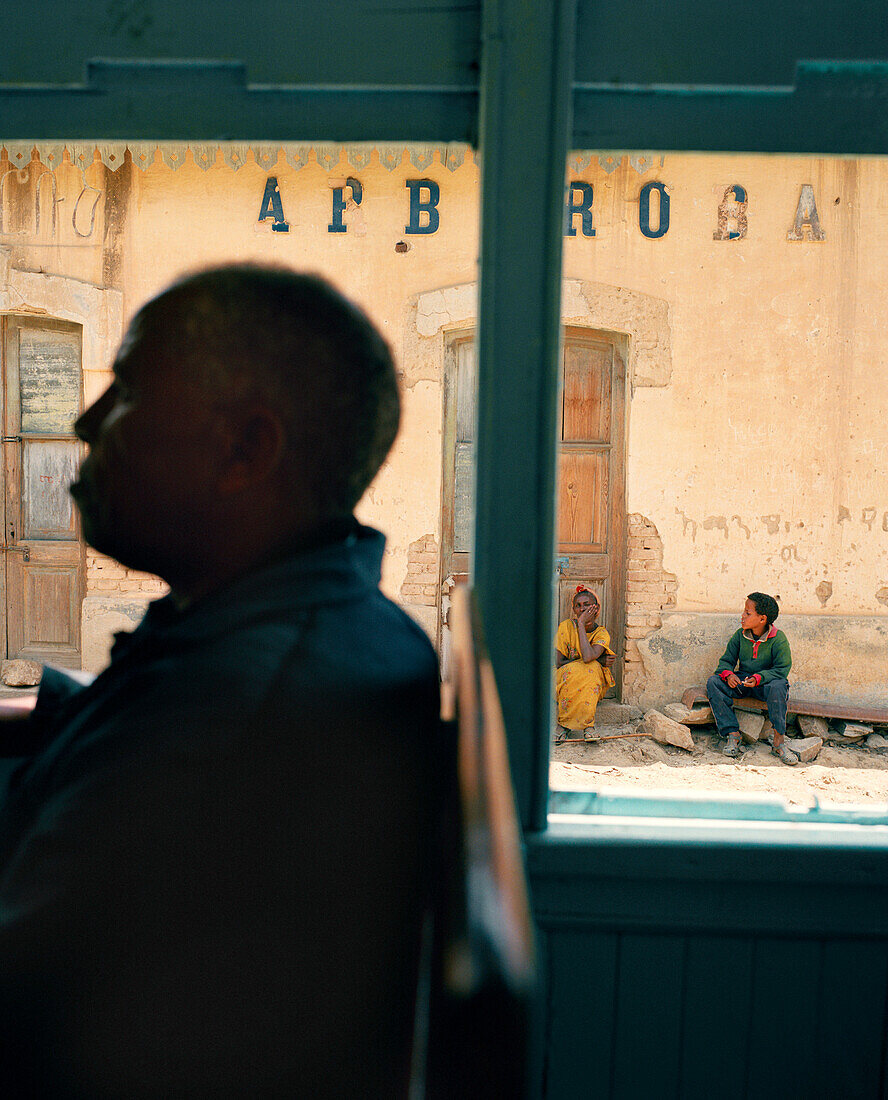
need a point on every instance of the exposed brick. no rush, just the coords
(411, 589)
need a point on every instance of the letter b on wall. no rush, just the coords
(424, 196)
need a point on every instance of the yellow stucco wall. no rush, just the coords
(191, 217)
(757, 426)
(777, 402)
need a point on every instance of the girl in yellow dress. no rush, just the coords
(582, 666)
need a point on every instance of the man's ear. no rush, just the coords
(255, 444)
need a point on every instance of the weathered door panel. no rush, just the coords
(591, 517)
(44, 604)
(43, 553)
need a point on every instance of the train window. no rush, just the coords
(723, 409)
(90, 230)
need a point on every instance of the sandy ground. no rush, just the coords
(840, 774)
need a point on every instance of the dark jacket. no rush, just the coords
(213, 863)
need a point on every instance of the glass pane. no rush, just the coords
(734, 445)
(49, 376)
(49, 467)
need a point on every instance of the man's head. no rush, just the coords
(244, 397)
(759, 611)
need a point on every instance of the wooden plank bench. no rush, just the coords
(816, 707)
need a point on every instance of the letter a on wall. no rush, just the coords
(807, 220)
(272, 207)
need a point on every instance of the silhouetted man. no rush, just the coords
(213, 858)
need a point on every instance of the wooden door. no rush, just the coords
(459, 459)
(591, 529)
(42, 566)
(591, 523)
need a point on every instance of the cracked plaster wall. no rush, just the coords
(761, 463)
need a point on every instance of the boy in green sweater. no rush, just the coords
(756, 662)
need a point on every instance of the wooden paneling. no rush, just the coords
(785, 988)
(717, 998)
(586, 412)
(48, 468)
(44, 597)
(707, 1016)
(851, 1036)
(580, 1027)
(582, 501)
(648, 1015)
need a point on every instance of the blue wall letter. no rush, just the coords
(418, 206)
(644, 210)
(272, 207)
(584, 207)
(339, 204)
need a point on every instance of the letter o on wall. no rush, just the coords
(644, 210)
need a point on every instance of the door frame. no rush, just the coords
(617, 516)
(13, 490)
(99, 312)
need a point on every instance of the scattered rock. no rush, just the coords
(767, 733)
(812, 726)
(807, 748)
(876, 741)
(688, 716)
(667, 731)
(792, 719)
(751, 726)
(676, 711)
(20, 673)
(610, 713)
(848, 733)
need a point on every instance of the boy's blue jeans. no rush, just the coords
(775, 693)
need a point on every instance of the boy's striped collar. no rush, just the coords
(750, 637)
